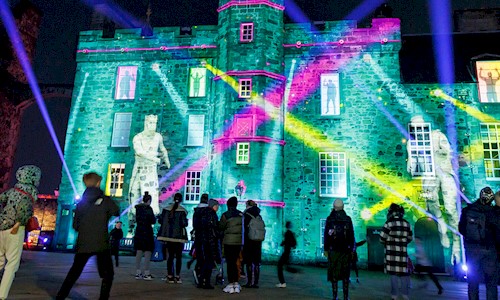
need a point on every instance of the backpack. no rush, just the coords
(338, 235)
(475, 226)
(256, 229)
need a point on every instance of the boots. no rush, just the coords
(249, 276)
(345, 288)
(256, 274)
(335, 289)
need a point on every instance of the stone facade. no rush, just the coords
(287, 130)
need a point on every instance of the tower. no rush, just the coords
(248, 104)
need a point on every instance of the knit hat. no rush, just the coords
(212, 203)
(486, 196)
(232, 202)
(338, 204)
(29, 174)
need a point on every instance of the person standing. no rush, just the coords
(231, 225)
(144, 241)
(173, 231)
(288, 243)
(252, 244)
(196, 216)
(16, 207)
(339, 245)
(424, 264)
(478, 230)
(115, 236)
(206, 225)
(354, 260)
(91, 218)
(396, 235)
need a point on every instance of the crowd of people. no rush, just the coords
(237, 237)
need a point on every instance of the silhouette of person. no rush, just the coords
(196, 83)
(331, 94)
(124, 86)
(490, 82)
(144, 174)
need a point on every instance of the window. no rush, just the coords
(490, 136)
(487, 81)
(333, 174)
(197, 82)
(121, 130)
(246, 32)
(196, 129)
(242, 153)
(192, 186)
(330, 96)
(420, 149)
(115, 179)
(126, 79)
(245, 88)
(322, 225)
(244, 126)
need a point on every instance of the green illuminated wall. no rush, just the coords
(284, 160)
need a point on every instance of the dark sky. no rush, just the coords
(55, 60)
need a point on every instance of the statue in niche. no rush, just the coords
(144, 174)
(443, 179)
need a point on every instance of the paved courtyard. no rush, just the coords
(42, 273)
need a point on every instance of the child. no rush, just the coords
(288, 243)
(115, 236)
(91, 218)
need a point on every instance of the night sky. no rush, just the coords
(62, 20)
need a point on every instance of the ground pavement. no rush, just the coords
(41, 274)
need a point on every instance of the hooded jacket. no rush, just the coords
(16, 204)
(173, 226)
(91, 218)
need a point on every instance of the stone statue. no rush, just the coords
(145, 175)
(442, 180)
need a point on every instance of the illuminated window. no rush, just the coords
(121, 129)
(245, 88)
(488, 77)
(420, 149)
(242, 153)
(490, 136)
(333, 174)
(126, 79)
(192, 186)
(197, 82)
(115, 179)
(196, 130)
(246, 32)
(322, 225)
(244, 126)
(330, 97)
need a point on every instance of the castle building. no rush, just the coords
(292, 116)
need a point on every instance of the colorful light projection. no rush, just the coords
(17, 43)
(488, 77)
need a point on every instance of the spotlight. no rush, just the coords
(77, 197)
(366, 214)
(45, 240)
(464, 268)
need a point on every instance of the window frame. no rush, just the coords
(203, 83)
(242, 158)
(245, 88)
(189, 195)
(246, 32)
(116, 129)
(196, 141)
(119, 182)
(414, 145)
(336, 104)
(133, 87)
(345, 175)
(491, 150)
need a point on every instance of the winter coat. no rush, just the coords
(339, 254)
(252, 250)
(114, 238)
(396, 235)
(16, 204)
(144, 238)
(231, 224)
(91, 219)
(173, 226)
(491, 224)
(206, 225)
(289, 242)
